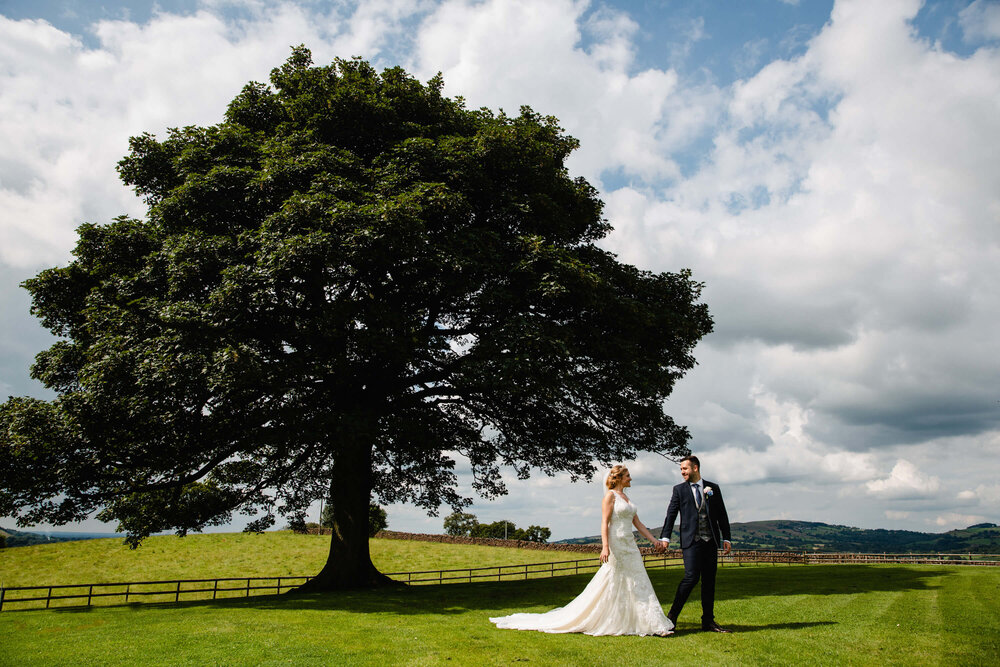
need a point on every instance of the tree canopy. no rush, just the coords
(345, 285)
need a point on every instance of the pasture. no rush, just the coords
(271, 554)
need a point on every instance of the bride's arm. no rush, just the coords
(643, 530)
(607, 505)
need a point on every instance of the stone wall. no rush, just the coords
(493, 542)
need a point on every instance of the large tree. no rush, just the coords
(344, 285)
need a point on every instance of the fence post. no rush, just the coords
(128, 587)
(177, 595)
(215, 588)
(248, 586)
(90, 594)
(2, 592)
(48, 598)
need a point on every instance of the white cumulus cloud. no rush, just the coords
(904, 481)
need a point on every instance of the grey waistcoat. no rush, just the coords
(704, 531)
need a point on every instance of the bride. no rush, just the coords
(619, 600)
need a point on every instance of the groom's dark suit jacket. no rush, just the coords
(682, 503)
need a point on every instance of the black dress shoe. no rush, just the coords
(714, 627)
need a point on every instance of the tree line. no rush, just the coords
(462, 524)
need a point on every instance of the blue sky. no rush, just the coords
(826, 168)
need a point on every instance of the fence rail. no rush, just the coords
(203, 589)
(523, 571)
(916, 559)
(138, 591)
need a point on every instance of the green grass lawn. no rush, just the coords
(782, 615)
(236, 555)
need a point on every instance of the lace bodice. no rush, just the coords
(620, 537)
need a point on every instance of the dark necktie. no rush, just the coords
(697, 494)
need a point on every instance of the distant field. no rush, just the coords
(212, 555)
(782, 615)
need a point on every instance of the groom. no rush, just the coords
(704, 529)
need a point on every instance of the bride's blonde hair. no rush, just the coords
(615, 476)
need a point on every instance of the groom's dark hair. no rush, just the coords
(693, 459)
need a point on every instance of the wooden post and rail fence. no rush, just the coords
(169, 591)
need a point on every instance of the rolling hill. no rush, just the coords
(784, 535)
(774, 535)
(23, 538)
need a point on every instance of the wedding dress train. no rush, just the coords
(619, 600)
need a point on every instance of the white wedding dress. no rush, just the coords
(619, 600)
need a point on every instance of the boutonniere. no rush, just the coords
(708, 491)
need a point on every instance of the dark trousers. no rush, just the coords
(701, 560)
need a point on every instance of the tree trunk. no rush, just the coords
(349, 564)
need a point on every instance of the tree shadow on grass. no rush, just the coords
(522, 595)
(404, 600)
(546, 593)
